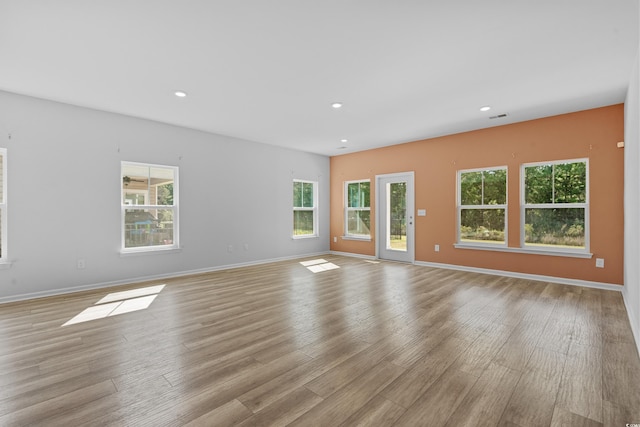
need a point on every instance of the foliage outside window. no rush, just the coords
(305, 203)
(3, 204)
(397, 216)
(555, 212)
(149, 205)
(358, 208)
(482, 206)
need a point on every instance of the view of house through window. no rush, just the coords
(482, 205)
(304, 208)
(149, 205)
(3, 203)
(556, 204)
(358, 208)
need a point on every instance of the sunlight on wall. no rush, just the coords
(118, 303)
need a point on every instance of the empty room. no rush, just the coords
(319, 213)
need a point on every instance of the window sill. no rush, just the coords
(306, 236)
(147, 251)
(5, 265)
(360, 239)
(502, 248)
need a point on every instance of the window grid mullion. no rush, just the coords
(555, 205)
(482, 187)
(483, 206)
(553, 183)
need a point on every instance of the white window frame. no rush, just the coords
(313, 209)
(524, 206)
(124, 207)
(348, 209)
(4, 259)
(487, 244)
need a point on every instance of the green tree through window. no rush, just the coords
(358, 208)
(482, 205)
(304, 208)
(555, 204)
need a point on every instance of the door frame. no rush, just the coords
(411, 245)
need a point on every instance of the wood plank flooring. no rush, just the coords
(368, 343)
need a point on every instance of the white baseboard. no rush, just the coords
(538, 277)
(632, 321)
(552, 279)
(352, 255)
(70, 290)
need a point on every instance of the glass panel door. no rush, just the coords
(396, 235)
(395, 217)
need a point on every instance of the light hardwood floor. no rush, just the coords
(364, 344)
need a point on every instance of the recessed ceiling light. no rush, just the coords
(485, 108)
(180, 93)
(344, 140)
(336, 104)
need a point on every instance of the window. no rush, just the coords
(482, 206)
(554, 212)
(149, 207)
(305, 208)
(358, 208)
(3, 205)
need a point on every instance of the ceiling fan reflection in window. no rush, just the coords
(126, 180)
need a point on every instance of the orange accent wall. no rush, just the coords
(589, 134)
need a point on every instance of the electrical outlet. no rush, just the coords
(230, 248)
(600, 262)
(335, 239)
(80, 264)
(436, 248)
(246, 246)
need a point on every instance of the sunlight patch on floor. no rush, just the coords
(319, 265)
(313, 262)
(132, 293)
(118, 303)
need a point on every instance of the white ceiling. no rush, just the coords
(268, 70)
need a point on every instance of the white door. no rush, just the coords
(395, 217)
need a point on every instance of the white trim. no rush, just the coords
(175, 245)
(347, 209)
(305, 236)
(524, 206)
(353, 255)
(632, 321)
(504, 206)
(4, 210)
(538, 277)
(149, 250)
(314, 209)
(365, 238)
(488, 245)
(411, 247)
(140, 279)
(528, 250)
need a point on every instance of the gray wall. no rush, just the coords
(631, 289)
(64, 197)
